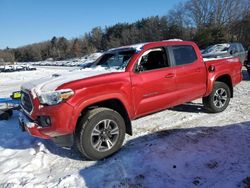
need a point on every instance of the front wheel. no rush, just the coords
(101, 133)
(219, 99)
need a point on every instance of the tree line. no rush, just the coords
(204, 21)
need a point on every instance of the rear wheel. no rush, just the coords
(101, 133)
(219, 99)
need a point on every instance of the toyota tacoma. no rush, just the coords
(93, 108)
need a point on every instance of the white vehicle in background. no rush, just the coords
(24, 66)
(18, 67)
(88, 61)
(69, 63)
(30, 67)
(8, 68)
(1, 68)
(60, 63)
(94, 56)
(72, 64)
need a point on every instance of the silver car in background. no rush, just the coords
(225, 50)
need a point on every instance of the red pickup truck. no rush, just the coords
(93, 107)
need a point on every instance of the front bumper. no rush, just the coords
(60, 119)
(26, 124)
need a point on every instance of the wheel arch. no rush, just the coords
(112, 103)
(226, 78)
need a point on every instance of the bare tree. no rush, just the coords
(240, 29)
(204, 21)
(76, 49)
(215, 12)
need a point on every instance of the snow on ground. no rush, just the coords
(179, 147)
(11, 81)
(69, 62)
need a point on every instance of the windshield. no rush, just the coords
(118, 59)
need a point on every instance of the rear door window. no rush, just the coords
(184, 54)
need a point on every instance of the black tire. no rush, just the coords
(87, 140)
(4, 116)
(219, 99)
(10, 112)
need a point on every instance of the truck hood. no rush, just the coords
(51, 83)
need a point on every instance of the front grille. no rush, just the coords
(26, 102)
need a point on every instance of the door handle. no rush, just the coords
(170, 75)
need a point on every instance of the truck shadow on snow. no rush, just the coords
(190, 107)
(186, 157)
(201, 156)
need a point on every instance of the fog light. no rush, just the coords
(44, 121)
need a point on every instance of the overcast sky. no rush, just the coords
(29, 21)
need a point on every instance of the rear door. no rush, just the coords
(190, 73)
(153, 82)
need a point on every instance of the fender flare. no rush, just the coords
(85, 103)
(212, 79)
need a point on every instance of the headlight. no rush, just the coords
(55, 97)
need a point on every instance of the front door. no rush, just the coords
(153, 83)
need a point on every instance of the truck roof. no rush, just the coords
(138, 47)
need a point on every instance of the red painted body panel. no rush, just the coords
(152, 91)
(140, 93)
(60, 116)
(230, 67)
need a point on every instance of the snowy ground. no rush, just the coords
(11, 81)
(180, 147)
